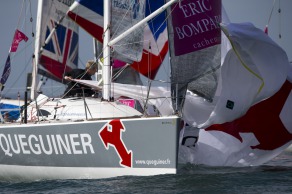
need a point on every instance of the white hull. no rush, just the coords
(28, 173)
(89, 149)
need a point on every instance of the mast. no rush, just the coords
(36, 52)
(107, 43)
(106, 69)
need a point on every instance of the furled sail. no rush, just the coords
(57, 39)
(195, 38)
(89, 15)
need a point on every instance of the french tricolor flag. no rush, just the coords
(89, 15)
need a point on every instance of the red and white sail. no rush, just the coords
(249, 123)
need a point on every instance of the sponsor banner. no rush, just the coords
(196, 25)
(128, 102)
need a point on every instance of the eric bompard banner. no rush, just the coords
(196, 25)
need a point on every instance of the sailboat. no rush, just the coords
(104, 138)
(208, 115)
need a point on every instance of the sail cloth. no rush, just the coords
(155, 41)
(89, 15)
(256, 61)
(124, 14)
(249, 122)
(195, 38)
(261, 134)
(60, 54)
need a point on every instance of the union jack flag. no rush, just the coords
(60, 54)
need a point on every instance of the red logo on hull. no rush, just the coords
(111, 134)
(263, 120)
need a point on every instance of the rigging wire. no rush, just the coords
(270, 16)
(31, 19)
(13, 54)
(23, 3)
(280, 19)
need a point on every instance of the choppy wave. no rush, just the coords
(273, 177)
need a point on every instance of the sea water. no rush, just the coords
(273, 177)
